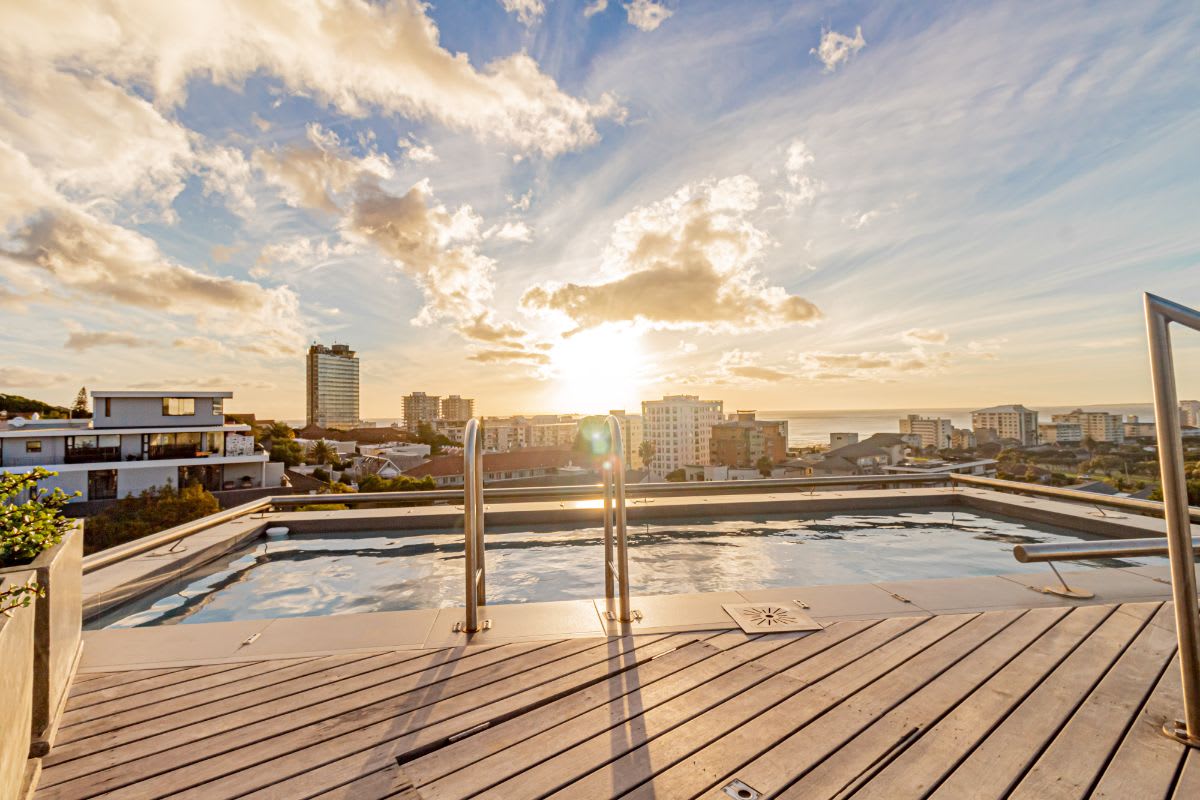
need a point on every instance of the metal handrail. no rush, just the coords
(473, 513)
(1159, 314)
(1152, 507)
(1104, 548)
(616, 546)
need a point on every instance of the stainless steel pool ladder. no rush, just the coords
(1159, 314)
(616, 549)
(476, 573)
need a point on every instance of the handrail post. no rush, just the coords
(476, 572)
(1159, 313)
(616, 545)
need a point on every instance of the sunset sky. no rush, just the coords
(557, 206)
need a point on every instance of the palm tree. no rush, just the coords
(321, 452)
(646, 452)
(279, 432)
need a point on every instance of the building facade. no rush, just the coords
(1006, 422)
(420, 407)
(1100, 426)
(837, 440)
(332, 386)
(138, 440)
(457, 408)
(744, 440)
(1189, 413)
(932, 431)
(633, 433)
(963, 439)
(1060, 433)
(680, 427)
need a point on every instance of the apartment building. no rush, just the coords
(633, 433)
(138, 440)
(420, 407)
(1100, 426)
(457, 408)
(1060, 433)
(837, 440)
(1006, 422)
(1189, 413)
(680, 427)
(931, 431)
(332, 377)
(743, 440)
(963, 439)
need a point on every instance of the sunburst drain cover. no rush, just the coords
(770, 618)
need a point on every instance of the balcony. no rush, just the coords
(159, 452)
(91, 455)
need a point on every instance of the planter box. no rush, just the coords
(57, 633)
(16, 692)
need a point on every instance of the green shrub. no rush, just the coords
(28, 528)
(152, 511)
(401, 483)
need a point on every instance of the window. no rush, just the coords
(108, 406)
(102, 484)
(33, 445)
(218, 406)
(179, 407)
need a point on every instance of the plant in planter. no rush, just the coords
(36, 538)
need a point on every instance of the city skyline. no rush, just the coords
(811, 207)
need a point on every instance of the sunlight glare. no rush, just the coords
(597, 370)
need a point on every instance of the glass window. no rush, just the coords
(33, 445)
(179, 407)
(108, 406)
(218, 406)
(102, 484)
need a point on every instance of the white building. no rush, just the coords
(1189, 413)
(1136, 429)
(332, 374)
(1060, 433)
(138, 440)
(1006, 422)
(837, 440)
(633, 434)
(933, 431)
(680, 427)
(1102, 427)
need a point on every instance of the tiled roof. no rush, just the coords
(529, 458)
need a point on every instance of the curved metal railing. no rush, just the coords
(616, 544)
(476, 572)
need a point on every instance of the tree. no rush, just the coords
(288, 452)
(279, 431)
(764, 466)
(79, 409)
(436, 441)
(401, 483)
(27, 528)
(321, 452)
(647, 452)
(154, 510)
(676, 476)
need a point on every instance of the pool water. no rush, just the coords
(345, 573)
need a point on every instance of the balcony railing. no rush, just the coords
(163, 451)
(91, 455)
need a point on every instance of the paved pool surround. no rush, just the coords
(111, 586)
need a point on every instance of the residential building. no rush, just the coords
(332, 386)
(551, 430)
(1006, 422)
(837, 440)
(743, 440)
(1100, 426)
(453, 429)
(963, 439)
(1060, 433)
(933, 431)
(1189, 413)
(985, 467)
(1135, 429)
(498, 467)
(867, 457)
(633, 433)
(457, 408)
(680, 427)
(137, 440)
(420, 407)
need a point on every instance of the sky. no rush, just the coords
(571, 207)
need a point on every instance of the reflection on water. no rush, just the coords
(345, 573)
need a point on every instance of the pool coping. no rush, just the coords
(116, 584)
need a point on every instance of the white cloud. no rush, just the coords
(645, 15)
(521, 203)
(13, 376)
(528, 11)
(919, 336)
(309, 175)
(837, 48)
(686, 262)
(510, 232)
(422, 154)
(875, 366)
(81, 340)
(304, 251)
(802, 187)
(595, 7)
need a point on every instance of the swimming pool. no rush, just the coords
(318, 574)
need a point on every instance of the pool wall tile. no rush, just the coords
(114, 648)
(1109, 585)
(381, 630)
(674, 612)
(943, 595)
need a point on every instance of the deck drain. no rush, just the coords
(769, 617)
(740, 790)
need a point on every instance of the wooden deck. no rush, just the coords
(1039, 703)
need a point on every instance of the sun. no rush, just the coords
(597, 370)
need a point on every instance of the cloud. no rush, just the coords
(528, 11)
(421, 155)
(510, 232)
(521, 203)
(515, 355)
(222, 253)
(354, 56)
(875, 366)
(81, 340)
(803, 188)
(738, 364)
(201, 344)
(304, 251)
(645, 15)
(920, 336)
(595, 7)
(836, 48)
(310, 174)
(13, 376)
(686, 262)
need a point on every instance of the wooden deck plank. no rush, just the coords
(611, 765)
(346, 750)
(1071, 764)
(1146, 762)
(123, 725)
(118, 689)
(769, 752)
(860, 750)
(1001, 760)
(92, 681)
(923, 765)
(111, 768)
(1187, 787)
(444, 774)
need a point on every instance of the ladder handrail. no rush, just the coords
(473, 524)
(616, 549)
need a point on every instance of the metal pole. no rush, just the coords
(1175, 506)
(609, 582)
(480, 559)
(473, 524)
(614, 487)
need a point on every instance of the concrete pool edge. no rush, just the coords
(111, 586)
(175, 646)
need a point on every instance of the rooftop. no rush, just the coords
(160, 393)
(528, 458)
